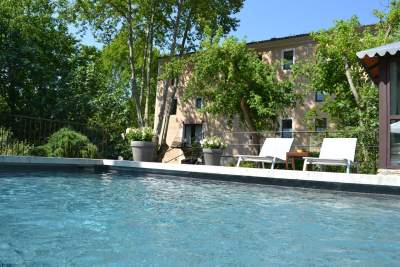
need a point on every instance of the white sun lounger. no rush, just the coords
(273, 150)
(334, 152)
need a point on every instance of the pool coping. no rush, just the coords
(386, 184)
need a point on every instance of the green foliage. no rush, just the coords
(248, 164)
(67, 143)
(35, 58)
(139, 134)
(9, 145)
(244, 164)
(327, 72)
(86, 81)
(232, 80)
(3, 105)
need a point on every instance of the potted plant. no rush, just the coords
(141, 141)
(212, 150)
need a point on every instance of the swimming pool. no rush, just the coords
(50, 218)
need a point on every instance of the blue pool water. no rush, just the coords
(120, 219)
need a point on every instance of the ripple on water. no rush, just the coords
(103, 219)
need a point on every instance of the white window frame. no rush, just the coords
(282, 58)
(281, 126)
(189, 142)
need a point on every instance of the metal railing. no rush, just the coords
(306, 140)
(310, 141)
(20, 134)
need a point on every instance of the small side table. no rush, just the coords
(293, 155)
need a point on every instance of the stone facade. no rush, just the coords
(187, 122)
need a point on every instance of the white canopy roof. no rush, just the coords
(389, 49)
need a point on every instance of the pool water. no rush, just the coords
(125, 219)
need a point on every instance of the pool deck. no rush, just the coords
(386, 184)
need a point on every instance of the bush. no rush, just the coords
(67, 143)
(43, 151)
(244, 164)
(9, 145)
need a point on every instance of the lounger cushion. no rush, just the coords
(276, 147)
(318, 161)
(338, 148)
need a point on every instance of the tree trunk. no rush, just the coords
(143, 69)
(148, 70)
(174, 89)
(164, 95)
(255, 137)
(133, 84)
(351, 83)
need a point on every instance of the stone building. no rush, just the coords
(187, 123)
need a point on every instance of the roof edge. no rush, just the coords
(380, 51)
(280, 38)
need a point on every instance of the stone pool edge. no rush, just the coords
(385, 184)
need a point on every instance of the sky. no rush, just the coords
(265, 19)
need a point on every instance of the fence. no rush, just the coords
(250, 142)
(305, 140)
(19, 134)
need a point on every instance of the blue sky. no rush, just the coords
(264, 19)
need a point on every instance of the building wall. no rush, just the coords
(238, 141)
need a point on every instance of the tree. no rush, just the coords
(335, 70)
(84, 82)
(234, 81)
(189, 26)
(35, 58)
(111, 19)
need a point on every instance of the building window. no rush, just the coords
(199, 102)
(319, 96)
(174, 105)
(287, 129)
(192, 133)
(321, 125)
(287, 59)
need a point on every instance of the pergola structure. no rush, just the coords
(383, 65)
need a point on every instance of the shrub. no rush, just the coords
(9, 145)
(43, 151)
(138, 134)
(67, 143)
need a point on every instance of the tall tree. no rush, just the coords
(110, 18)
(36, 56)
(188, 27)
(234, 81)
(353, 99)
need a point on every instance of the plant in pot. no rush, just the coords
(212, 149)
(141, 141)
